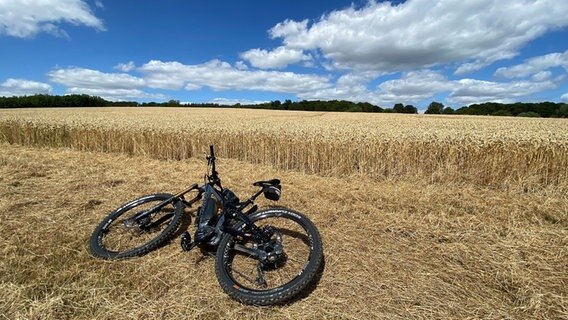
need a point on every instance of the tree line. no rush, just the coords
(54, 101)
(304, 105)
(540, 109)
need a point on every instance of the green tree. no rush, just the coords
(410, 109)
(502, 113)
(173, 103)
(398, 108)
(529, 114)
(435, 108)
(563, 111)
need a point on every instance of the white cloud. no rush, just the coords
(110, 86)
(413, 87)
(419, 33)
(288, 28)
(351, 86)
(26, 18)
(541, 76)
(219, 75)
(535, 65)
(277, 58)
(417, 86)
(125, 67)
(117, 94)
(99, 4)
(468, 91)
(232, 102)
(479, 64)
(93, 79)
(241, 65)
(564, 97)
(21, 87)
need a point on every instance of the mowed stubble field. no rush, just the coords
(415, 244)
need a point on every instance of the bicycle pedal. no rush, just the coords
(186, 243)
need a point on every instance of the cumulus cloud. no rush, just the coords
(232, 102)
(288, 28)
(125, 67)
(117, 94)
(21, 87)
(417, 86)
(241, 65)
(417, 33)
(26, 18)
(219, 75)
(411, 87)
(110, 86)
(468, 91)
(420, 86)
(414, 86)
(94, 79)
(277, 58)
(541, 76)
(351, 86)
(564, 97)
(535, 66)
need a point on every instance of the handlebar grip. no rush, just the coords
(212, 151)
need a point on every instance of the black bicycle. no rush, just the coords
(262, 257)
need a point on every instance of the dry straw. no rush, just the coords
(393, 250)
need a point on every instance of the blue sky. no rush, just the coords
(413, 52)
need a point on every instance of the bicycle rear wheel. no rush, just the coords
(118, 238)
(296, 253)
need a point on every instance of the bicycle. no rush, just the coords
(262, 257)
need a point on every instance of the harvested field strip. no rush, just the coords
(520, 155)
(394, 250)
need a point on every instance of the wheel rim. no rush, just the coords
(116, 237)
(247, 272)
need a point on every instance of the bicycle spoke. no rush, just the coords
(279, 272)
(260, 280)
(120, 237)
(241, 274)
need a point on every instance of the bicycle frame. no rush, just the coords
(205, 192)
(235, 232)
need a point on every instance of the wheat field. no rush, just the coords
(512, 153)
(422, 217)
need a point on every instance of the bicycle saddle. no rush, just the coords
(271, 182)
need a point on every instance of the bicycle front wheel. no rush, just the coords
(117, 237)
(281, 268)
